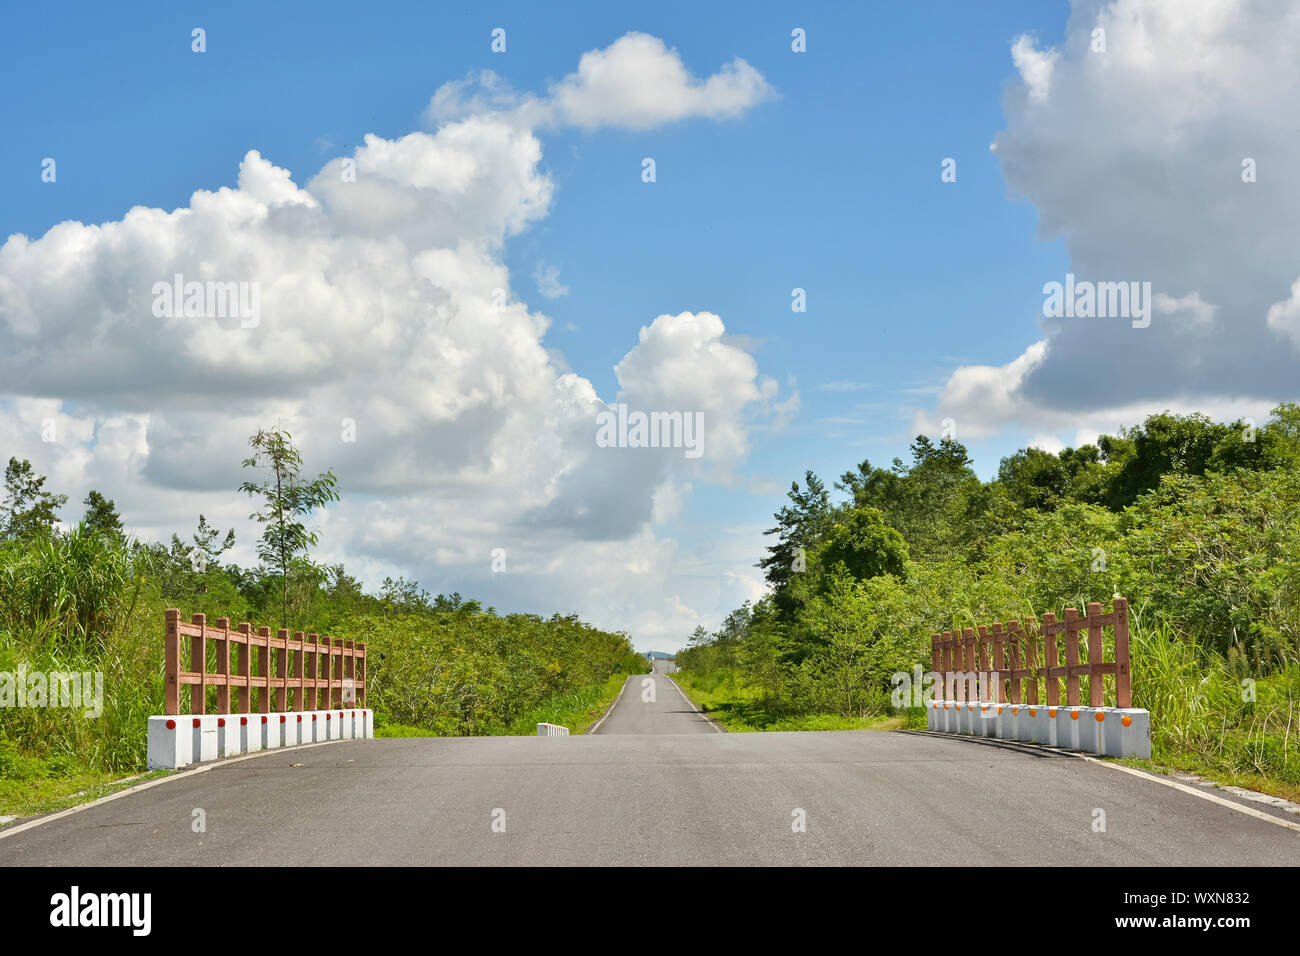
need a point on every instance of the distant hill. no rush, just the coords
(659, 655)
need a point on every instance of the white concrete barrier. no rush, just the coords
(250, 732)
(272, 731)
(1109, 731)
(170, 743)
(552, 730)
(179, 740)
(204, 732)
(1126, 732)
(228, 736)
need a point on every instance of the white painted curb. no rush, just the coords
(1109, 731)
(177, 741)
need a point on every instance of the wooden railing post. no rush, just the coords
(172, 662)
(1072, 698)
(312, 653)
(328, 702)
(241, 663)
(1051, 659)
(361, 682)
(936, 664)
(341, 646)
(952, 686)
(968, 661)
(1031, 656)
(999, 662)
(297, 700)
(282, 670)
(264, 670)
(945, 664)
(1123, 688)
(1096, 657)
(982, 639)
(199, 664)
(223, 665)
(1014, 640)
(350, 668)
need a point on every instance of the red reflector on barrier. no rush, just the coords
(282, 718)
(328, 716)
(221, 721)
(196, 721)
(171, 725)
(264, 719)
(243, 721)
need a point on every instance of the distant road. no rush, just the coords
(630, 795)
(669, 713)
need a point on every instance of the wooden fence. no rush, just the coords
(971, 673)
(301, 672)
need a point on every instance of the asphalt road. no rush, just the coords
(668, 711)
(686, 796)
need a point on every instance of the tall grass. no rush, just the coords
(74, 604)
(1205, 716)
(67, 592)
(80, 603)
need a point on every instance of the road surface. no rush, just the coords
(657, 785)
(670, 712)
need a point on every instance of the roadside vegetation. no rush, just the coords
(90, 599)
(1196, 522)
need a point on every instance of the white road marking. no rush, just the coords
(691, 704)
(596, 725)
(1230, 804)
(179, 775)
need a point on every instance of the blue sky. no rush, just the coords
(830, 183)
(833, 187)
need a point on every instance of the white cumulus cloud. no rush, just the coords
(387, 312)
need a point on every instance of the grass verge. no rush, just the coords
(1175, 764)
(29, 797)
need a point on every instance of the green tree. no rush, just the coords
(209, 546)
(799, 527)
(862, 544)
(101, 515)
(28, 511)
(1173, 444)
(924, 500)
(288, 501)
(1034, 478)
